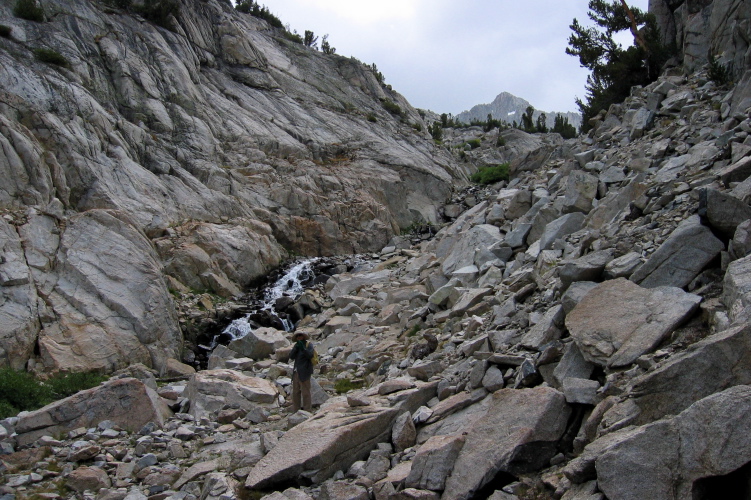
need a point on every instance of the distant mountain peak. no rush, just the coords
(510, 108)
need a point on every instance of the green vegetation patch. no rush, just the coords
(50, 56)
(719, 73)
(491, 174)
(474, 143)
(392, 107)
(345, 385)
(29, 10)
(70, 383)
(20, 391)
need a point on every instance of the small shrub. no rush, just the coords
(50, 56)
(21, 391)
(29, 10)
(491, 174)
(436, 131)
(392, 107)
(500, 142)
(70, 383)
(417, 126)
(120, 4)
(413, 331)
(718, 73)
(159, 11)
(372, 118)
(7, 410)
(345, 385)
(4, 31)
(293, 37)
(474, 143)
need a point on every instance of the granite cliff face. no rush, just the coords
(198, 156)
(701, 28)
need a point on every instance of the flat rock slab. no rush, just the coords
(127, 402)
(518, 434)
(681, 257)
(618, 321)
(664, 460)
(322, 445)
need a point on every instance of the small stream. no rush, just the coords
(291, 285)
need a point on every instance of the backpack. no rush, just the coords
(314, 359)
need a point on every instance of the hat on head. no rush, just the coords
(305, 335)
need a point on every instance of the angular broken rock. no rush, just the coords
(320, 446)
(518, 434)
(587, 268)
(210, 390)
(704, 368)
(736, 293)
(259, 343)
(559, 228)
(434, 461)
(673, 457)
(463, 251)
(724, 211)
(394, 385)
(342, 490)
(88, 478)
(127, 402)
(546, 330)
(403, 434)
(618, 321)
(424, 369)
(690, 247)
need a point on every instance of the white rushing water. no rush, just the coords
(290, 285)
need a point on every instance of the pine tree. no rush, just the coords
(542, 125)
(528, 124)
(326, 47)
(310, 40)
(563, 127)
(614, 70)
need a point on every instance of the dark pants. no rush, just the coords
(300, 389)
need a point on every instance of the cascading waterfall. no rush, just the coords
(291, 284)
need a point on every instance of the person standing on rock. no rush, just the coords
(302, 355)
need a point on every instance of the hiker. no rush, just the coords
(302, 355)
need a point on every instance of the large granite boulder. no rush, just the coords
(127, 402)
(518, 434)
(212, 390)
(711, 365)
(685, 456)
(618, 321)
(260, 343)
(318, 447)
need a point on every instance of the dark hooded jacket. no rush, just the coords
(303, 359)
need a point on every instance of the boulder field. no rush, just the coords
(554, 340)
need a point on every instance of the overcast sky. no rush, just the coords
(447, 56)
